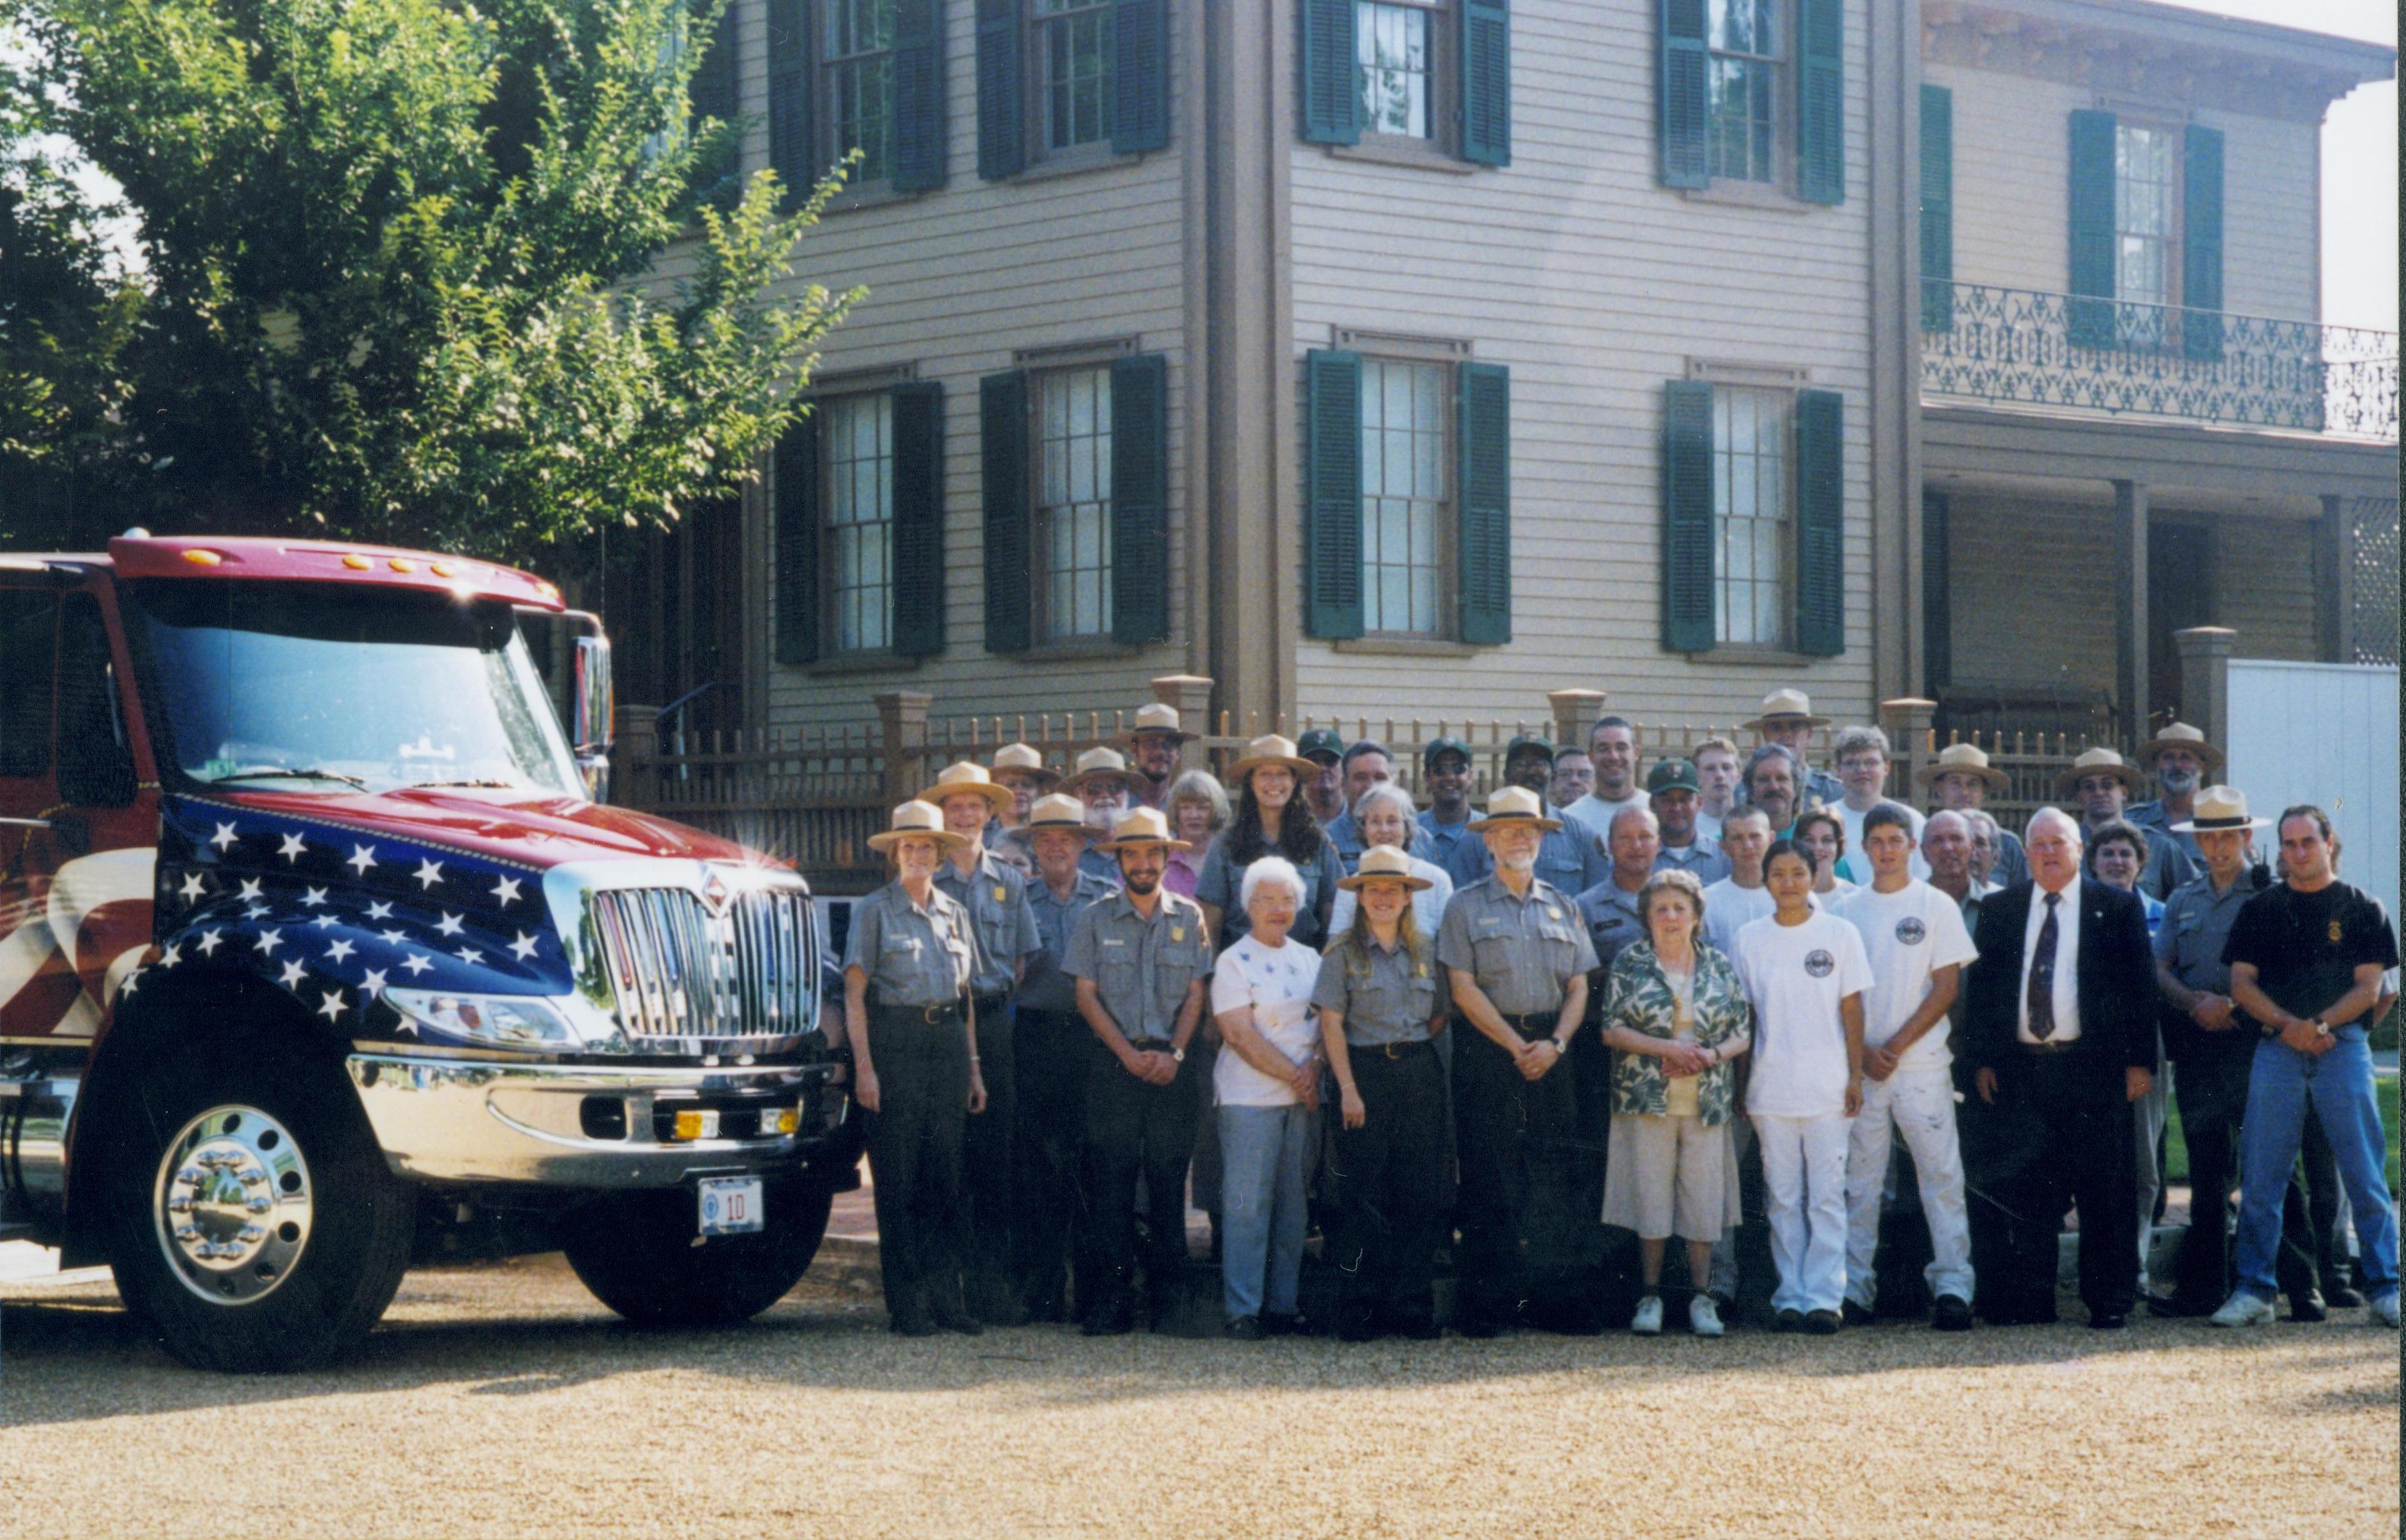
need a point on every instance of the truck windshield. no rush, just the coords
(317, 686)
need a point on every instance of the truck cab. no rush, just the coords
(318, 955)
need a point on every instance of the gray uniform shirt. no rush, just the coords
(1521, 952)
(1045, 986)
(1386, 997)
(1142, 967)
(1222, 882)
(1704, 860)
(996, 897)
(2196, 924)
(913, 956)
(1612, 923)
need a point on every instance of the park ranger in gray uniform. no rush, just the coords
(1517, 958)
(996, 896)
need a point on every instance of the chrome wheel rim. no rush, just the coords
(231, 1205)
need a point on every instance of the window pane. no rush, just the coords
(857, 67)
(1742, 85)
(1392, 60)
(1073, 473)
(1405, 502)
(858, 492)
(1074, 43)
(1750, 515)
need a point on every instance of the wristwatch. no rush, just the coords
(1178, 1055)
(2322, 1027)
(1561, 1048)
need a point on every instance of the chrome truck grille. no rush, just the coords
(682, 971)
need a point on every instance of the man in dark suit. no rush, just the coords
(2060, 1030)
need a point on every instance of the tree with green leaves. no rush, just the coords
(455, 273)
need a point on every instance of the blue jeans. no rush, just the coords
(2338, 1084)
(1262, 1214)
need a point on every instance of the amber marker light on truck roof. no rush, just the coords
(357, 562)
(442, 569)
(402, 564)
(202, 559)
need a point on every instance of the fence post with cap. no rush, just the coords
(1190, 694)
(1906, 720)
(902, 721)
(2205, 681)
(1574, 712)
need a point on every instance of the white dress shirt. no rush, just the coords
(2067, 965)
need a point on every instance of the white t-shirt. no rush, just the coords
(1728, 908)
(1796, 975)
(1277, 982)
(1907, 935)
(1597, 812)
(1856, 866)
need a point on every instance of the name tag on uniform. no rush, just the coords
(1487, 920)
(1114, 940)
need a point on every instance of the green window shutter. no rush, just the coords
(1003, 423)
(919, 148)
(1821, 523)
(1140, 500)
(715, 93)
(1002, 144)
(1487, 82)
(1485, 499)
(794, 511)
(2093, 229)
(1332, 493)
(2202, 242)
(789, 100)
(1822, 101)
(1937, 598)
(1688, 516)
(1937, 209)
(918, 519)
(1680, 129)
(1328, 90)
(1140, 75)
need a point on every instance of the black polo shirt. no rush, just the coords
(2306, 947)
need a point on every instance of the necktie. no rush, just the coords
(2041, 975)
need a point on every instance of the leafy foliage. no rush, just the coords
(424, 269)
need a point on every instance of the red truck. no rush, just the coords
(318, 955)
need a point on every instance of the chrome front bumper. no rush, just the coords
(453, 1120)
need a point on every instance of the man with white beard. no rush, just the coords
(2178, 758)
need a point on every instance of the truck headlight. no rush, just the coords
(501, 1021)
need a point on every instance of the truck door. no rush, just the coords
(37, 988)
(81, 882)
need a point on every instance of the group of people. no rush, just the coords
(1598, 1008)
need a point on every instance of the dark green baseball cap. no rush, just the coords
(1444, 745)
(1528, 744)
(1319, 740)
(1671, 775)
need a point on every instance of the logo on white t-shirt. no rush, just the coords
(1911, 931)
(1818, 963)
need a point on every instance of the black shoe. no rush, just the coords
(1359, 1328)
(2307, 1308)
(1790, 1320)
(2175, 1307)
(1049, 1312)
(1823, 1322)
(2107, 1320)
(1422, 1330)
(1281, 1324)
(913, 1326)
(1856, 1315)
(1242, 1328)
(1951, 1314)
(2339, 1296)
(959, 1322)
(1483, 1329)
(1108, 1323)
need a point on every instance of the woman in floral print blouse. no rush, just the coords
(1676, 1015)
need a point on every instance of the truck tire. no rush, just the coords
(252, 1220)
(636, 1251)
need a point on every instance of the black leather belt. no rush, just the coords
(2044, 1050)
(996, 1003)
(1394, 1050)
(933, 1016)
(1153, 1045)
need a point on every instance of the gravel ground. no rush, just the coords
(501, 1400)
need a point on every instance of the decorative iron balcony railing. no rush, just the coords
(1986, 344)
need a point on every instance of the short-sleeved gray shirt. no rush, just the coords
(1142, 967)
(913, 956)
(1385, 994)
(1612, 922)
(2196, 924)
(1223, 878)
(996, 897)
(1522, 951)
(1045, 986)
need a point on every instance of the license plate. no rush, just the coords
(730, 1206)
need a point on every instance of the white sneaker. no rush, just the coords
(2384, 1309)
(2244, 1309)
(1705, 1319)
(1648, 1320)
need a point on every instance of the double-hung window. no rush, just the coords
(1073, 504)
(856, 84)
(2145, 235)
(1753, 527)
(1406, 504)
(1394, 44)
(1743, 80)
(858, 460)
(1073, 49)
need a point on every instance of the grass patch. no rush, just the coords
(2385, 1088)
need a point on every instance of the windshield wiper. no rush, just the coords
(278, 772)
(431, 785)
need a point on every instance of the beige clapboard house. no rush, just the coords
(1415, 357)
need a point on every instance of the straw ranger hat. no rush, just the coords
(1965, 759)
(1383, 863)
(1270, 749)
(1142, 826)
(2221, 808)
(1786, 705)
(918, 821)
(1023, 759)
(2094, 762)
(2179, 735)
(1160, 716)
(1057, 811)
(1511, 807)
(1096, 764)
(970, 777)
